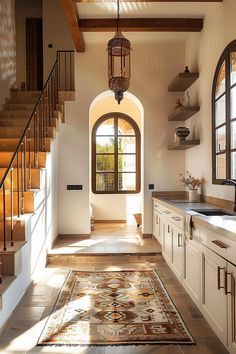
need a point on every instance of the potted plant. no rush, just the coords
(192, 184)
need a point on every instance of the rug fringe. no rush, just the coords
(114, 345)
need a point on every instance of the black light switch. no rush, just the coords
(50, 45)
(151, 186)
(74, 187)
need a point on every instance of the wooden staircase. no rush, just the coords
(29, 123)
(11, 129)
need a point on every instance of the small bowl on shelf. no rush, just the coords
(182, 132)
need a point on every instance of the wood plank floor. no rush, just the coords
(107, 238)
(23, 331)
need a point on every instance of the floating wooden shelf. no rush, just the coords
(183, 113)
(184, 144)
(183, 81)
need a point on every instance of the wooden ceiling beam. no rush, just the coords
(142, 25)
(202, 1)
(71, 14)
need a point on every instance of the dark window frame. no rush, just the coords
(225, 57)
(116, 116)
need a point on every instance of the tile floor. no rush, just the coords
(23, 331)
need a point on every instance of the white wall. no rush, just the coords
(153, 67)
(55, 32)
(7, 48)
(24, 9)
(203, 52)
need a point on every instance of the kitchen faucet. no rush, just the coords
(230, 182)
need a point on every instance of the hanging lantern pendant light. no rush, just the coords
(118, 61)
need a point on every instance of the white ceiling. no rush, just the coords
(108, 9)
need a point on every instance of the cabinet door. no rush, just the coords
(230, 290)
(193, 270)
(214, 300)
(167, 241)
(178, 252)
(156, 230)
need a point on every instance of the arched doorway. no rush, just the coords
(126, 204)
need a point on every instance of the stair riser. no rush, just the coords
(6, 157)
(28, 204)
(12, 106)
(11, 144)
(58, 260)
(35, 179)
(18, 231)
(23, 100)
(11, 263)
(16, 93)
(15, 114)
(21, 122)
(8, 132)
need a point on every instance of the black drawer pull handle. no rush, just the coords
(220, 244)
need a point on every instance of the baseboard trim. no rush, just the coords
(110, 221)
(147, 235)
(83, 236)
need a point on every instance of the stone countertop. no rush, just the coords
(223, 225)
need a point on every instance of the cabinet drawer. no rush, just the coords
(219, 244)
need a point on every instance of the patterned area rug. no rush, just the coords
(114, 308)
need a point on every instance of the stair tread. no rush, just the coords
(11, 249)
(6, 283)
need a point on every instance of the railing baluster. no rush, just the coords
(12, 206)
(29, 163)
(22, 179)
(70, 73)
(4, 218)
(18, 184)
(59, 71)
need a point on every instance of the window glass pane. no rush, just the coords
(105, 182)
(106, 128)
(220, 85)
(105, 144)
(233, 165)
(105, 163)
(221, 139)
(127, 163)
(220, 111)
(124, 128)
(126, 181)
(127, 145)
(233, 135)
(233, 102)
(233, 67)
(221, 166)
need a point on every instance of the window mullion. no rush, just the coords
(116, 155)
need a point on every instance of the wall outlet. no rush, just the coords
(74, 187)
(151, 186)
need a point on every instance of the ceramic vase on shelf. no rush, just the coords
(192, 195)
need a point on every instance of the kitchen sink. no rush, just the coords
(211, 212)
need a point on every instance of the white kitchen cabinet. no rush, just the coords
(230, 292)
(178, 252)
(214, 300)
(192, 276)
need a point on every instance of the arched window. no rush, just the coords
(115, 155)
(224, 116)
